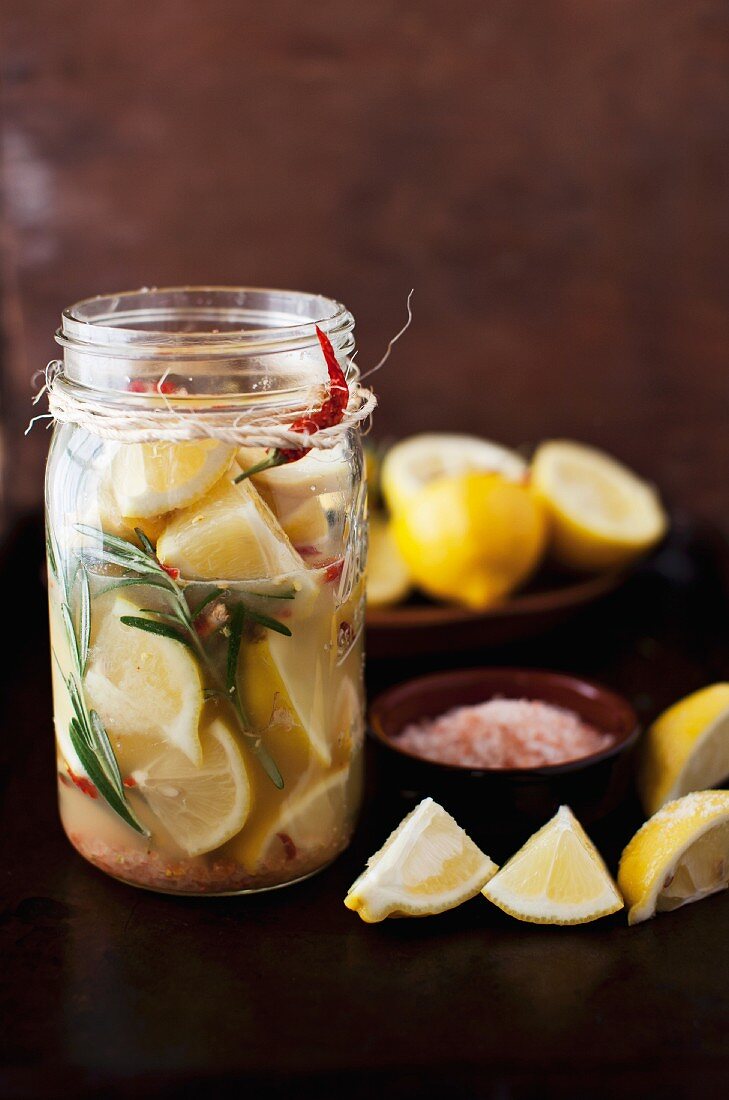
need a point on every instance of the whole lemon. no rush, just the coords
(471, 539)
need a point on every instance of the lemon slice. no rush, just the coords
(231, 534)
(388, 577)
(471, 539)
(310, 818)
(279, 681)
(603, 516)
(143, 684)
(429, 864)
(686, 748)
(421, 459)
(151, 478)
(557, 877)
(320, 472)
(202, 805)
(680, 855)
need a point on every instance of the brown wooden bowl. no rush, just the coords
(592, 786)
(412, 629)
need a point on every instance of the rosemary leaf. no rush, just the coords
(84, 620)
(151, 580)
(72, 640)
(105, 751)
(289, 594)
(113, 543)
(236, 633)
(212, 595)
(271, 624)
(170, 618)
(153, 627)
(145, 541)
(97, 775)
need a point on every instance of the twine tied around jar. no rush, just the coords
(171, 421)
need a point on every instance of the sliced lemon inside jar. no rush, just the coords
(199, 805)
(152, 478)
(143, 684)
(310, 819)
(428, 864)
(679, 855)
(557, 877)
(231, 534)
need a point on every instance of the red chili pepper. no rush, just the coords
(84, 784)
(137, 385)
(130, 781)
(334, 571)
(171, 571)
(289, 846)
(329, 413)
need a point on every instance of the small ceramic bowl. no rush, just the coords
(592, 785)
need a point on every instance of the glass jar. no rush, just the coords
(206, 631)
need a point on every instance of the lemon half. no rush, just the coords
(388, 577)
(428, 864)
(686, 748)
(423, 458)
(557, 877)
(602, 515)
(680, 855)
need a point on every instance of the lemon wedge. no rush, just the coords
(679, 855)
(388, 577)
(143, 684)
(423, 458)
(686, 748)
(200, 805)
(602, 515)
(106, 515)
(471, 539)
(320, 472)
(151, 478)
(428, 864)
(557, 877)
(231, 534)
(309, 818)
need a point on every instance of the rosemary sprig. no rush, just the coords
(86, 730)
(179, 623)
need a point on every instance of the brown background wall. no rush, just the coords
(551, 177)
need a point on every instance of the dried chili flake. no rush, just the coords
(83, 784)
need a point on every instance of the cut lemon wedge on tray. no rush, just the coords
(602, 515)
(388, 577)
(143, 684)
(557, 877)
(680, 855)
(686, 749)
(421, 459)
(202, 805)
(151, 478)
(231, 534)
(428, 865)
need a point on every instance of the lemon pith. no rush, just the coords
(471, 539)
(679, 855)
(686, 749)
(426, 866)
(602, 515)
(556, 877)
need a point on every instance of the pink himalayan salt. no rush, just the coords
(504, 733)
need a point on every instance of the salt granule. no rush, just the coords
(504, 733)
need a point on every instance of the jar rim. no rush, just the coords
(204, 321)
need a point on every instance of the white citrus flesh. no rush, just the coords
(143, 684)
(151, 478)
(679, 855)
(557, 877)
(201, 805)
(231, 534)
(428, 864)
(420, 459)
